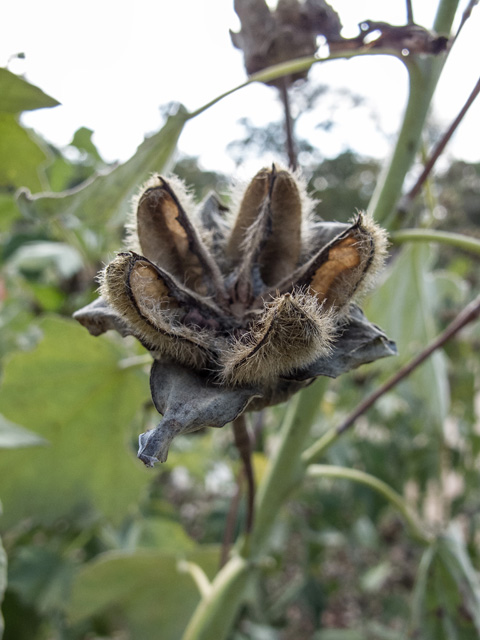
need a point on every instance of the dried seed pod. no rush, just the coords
(168, 238)
(293, 330)
(281, 251)
(267, 234)
(217, 344)
(150, 300)
(251, 205)
(345, 267)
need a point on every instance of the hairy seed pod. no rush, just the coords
(344, 268)
(168, 238)
(293, 330)
(234, 312)
(281, 251)
(251, 204)
(144, 297)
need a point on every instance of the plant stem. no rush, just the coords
(216, 613)
(198, 576)
(443, 143)
(290, 141)
(331, 471)
(430, 235)
(423, 77)
(314, 453)
(410, 19)
(286, 469)
(244, 447)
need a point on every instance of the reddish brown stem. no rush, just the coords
(467, 315)
(243, 444)
(443, 143)
(230, 522)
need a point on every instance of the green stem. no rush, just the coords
(444, 237)
(424, 73)
(286, 469)
(216, 613)
(292, 67)
(318, 448)
(330, 471)
(198, 576)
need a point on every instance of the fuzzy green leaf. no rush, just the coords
(22, 157)
(105, 198)
(71, 391)
(17, 95)
(3, 581)
(146, 586)
(13, 436)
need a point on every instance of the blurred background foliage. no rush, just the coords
(97, 545)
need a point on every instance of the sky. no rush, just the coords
(113, 65)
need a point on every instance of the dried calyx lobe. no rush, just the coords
(239, 310)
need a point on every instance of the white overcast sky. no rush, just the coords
(112, 64)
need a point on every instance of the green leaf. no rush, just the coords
(9, 211)
(82, 140)
(446, 598)
(104, 200)
(164, 534)
(36, 257)
(454, 554)
(3, 581)
(71, 391)
(13, 436)
(405, 307)
(146, 587)
(339, 634)
(41, 577)
(22, 158)
(16, 94)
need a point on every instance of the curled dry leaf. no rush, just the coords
(270, 36)
(239, 310)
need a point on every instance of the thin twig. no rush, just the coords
(231, 521)
(291, 151)
(443, 143)
(465, 16)
(243, 444)
(409, 12)
(467, 315)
